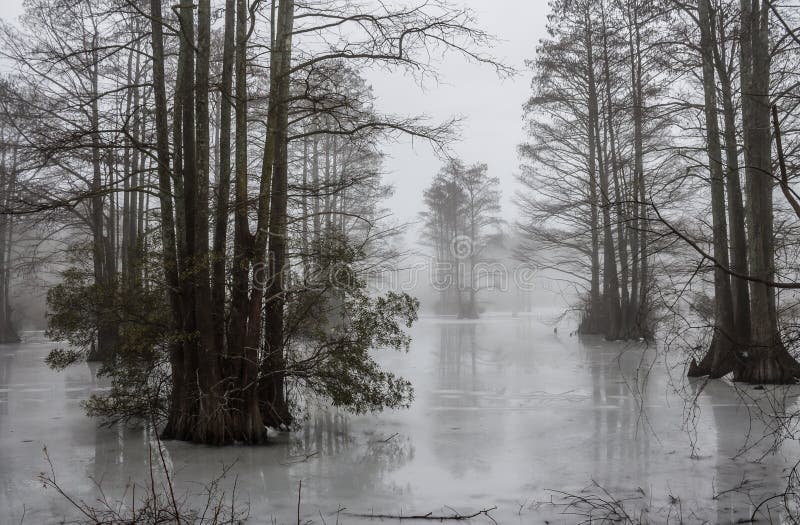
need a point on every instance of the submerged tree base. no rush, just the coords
(9, 336)
(720, 359)
(773, 366)
(593, 323)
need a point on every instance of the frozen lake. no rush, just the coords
(505, 409)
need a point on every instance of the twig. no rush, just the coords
(299, 491)
(390, 437)
(456, 516)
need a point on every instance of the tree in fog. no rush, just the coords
(9, 188)
(460, 220)
(733, 41)
(224, 176)
(766, 360)
(584, 173)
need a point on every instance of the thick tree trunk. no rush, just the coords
(223, 189)
(767, 360)
(103, 277)
(640, 314)
(275, 410)
(593, 321)
(622, 243)
(212, 410)
(736, 216)
(721, 356)
(175, 421)
(242, 238)
(611, 298)
(206, 407)
(8, 174)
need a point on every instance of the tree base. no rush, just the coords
(592, 324)
(720, 359)
(8, 334)
(9, 338)
(773, 367)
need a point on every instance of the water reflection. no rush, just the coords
(7, 354)
(750, 465)
(617, 415)
(504, 409)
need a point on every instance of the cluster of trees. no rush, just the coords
(652, 126)
(583, 175)
(460, 221)
(216, 172)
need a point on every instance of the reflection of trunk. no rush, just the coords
(736, 219)
(719, 360)
(768, 361)
(272, 383)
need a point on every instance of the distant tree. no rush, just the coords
(461, 218)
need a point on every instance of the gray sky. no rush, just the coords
(492, 108)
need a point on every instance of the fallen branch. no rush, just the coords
(456, 516)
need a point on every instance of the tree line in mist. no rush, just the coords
(206, 180)
(661, 133)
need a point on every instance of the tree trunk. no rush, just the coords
(8, 333)
(767, 360)
(593, 321)
(104, 349)
(721, 356)
(169, 249)
(611, 298)
(736, 217)
(223, 177)
(622, 244)
(275, 409)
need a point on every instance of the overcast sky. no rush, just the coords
(491, 107)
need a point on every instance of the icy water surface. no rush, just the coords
(505, 409)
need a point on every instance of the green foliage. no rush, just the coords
(337, 326)
(138, 316)
(139, 392)
(74, 309)
(61, 358)
(78, 307)
(334, 327)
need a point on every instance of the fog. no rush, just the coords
(356, 261)
(507, 414)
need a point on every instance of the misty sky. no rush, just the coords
(492, 107)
